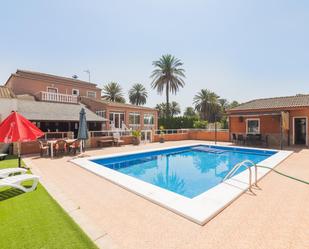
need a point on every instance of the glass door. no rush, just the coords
(116, 119)
(300, 133)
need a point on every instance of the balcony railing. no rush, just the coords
(58, 97)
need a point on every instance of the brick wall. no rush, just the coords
(172, 137)
(101, 106)
(27, 85)
(222, 136)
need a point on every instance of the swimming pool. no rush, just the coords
(184, 179)
(188, 171)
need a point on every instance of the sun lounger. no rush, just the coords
(11, 171)
(16, 182)
(3, 156)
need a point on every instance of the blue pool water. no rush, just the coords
(188, 171)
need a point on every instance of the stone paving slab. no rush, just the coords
(276, 217)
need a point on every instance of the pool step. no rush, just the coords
(209, 149)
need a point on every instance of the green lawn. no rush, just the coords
(34, 220)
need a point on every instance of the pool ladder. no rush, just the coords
(247, 164)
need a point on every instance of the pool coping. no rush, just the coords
(199, 209)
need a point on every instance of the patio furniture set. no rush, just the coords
(250, 139)
(59, 147)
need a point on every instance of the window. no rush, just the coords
(52, 90)
(101, 113)
(148, 119)
(253, 126)
(91, 94)
(75, 92)
(134, 118)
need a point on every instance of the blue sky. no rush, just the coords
(241, 49)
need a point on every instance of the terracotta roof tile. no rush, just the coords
(300, 100)
(116, 104)
(6, 92)
(20, 72)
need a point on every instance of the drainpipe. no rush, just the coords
(281, 133)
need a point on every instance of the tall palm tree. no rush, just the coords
(167, 75)
(138, 94)
(113, 92)
(206, 103)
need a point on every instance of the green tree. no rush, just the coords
(233, 104)
(138, 94)
(174, 109)
(113, 92)
(167, 75)
(207, 104)
(161, 110)
(190, 112)
(223, 104)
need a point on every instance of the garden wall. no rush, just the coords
(222, 136)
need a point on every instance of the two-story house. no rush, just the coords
(53, 103)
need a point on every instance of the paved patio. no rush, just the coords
(277, 217)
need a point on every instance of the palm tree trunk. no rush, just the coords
(167, 99)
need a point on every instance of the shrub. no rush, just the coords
(136, 133)
(200, 124)
(179, 122)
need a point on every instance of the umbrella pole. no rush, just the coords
(18, 152)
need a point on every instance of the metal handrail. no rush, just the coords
(237, 166)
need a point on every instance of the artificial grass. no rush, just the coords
(34, 220)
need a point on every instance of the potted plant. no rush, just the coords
(161, 134)
(136, 137)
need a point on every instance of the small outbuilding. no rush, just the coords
(278, 121)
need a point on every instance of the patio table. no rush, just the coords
(51, 144)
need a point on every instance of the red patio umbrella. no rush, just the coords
(16, 128)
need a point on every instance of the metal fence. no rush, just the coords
(106, 133)
(57, 135)
(183, 131)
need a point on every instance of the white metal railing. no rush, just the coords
(149, 126)
(58, 97)
(243, 164)
(105, 133)
(134, 126)
(126, 132)
(57, 135)
(182, 131)
(171, 131)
